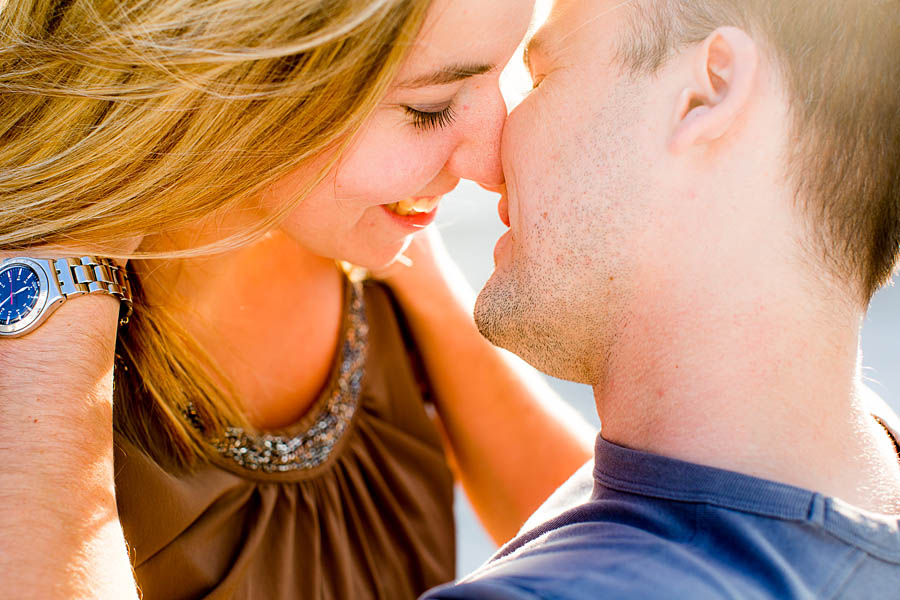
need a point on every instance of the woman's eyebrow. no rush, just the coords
(448, 74)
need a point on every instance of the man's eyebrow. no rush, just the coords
(537, 44)
(448, 74)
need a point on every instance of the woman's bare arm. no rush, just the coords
(514, 441)
(60, 535)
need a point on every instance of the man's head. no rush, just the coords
(676, 152)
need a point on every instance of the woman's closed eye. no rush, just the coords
(427, 119)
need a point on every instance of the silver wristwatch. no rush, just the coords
(32, 288)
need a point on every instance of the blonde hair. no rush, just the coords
(122, 119)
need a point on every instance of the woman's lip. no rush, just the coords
(413, 221)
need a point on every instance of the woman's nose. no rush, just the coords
(477, 157)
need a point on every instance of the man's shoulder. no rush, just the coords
(577, 561)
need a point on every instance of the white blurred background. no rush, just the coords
(470, 226)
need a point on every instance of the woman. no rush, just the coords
(269, 429)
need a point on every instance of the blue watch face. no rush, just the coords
(19, 289)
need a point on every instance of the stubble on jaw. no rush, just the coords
(560, 299)
(539, 328)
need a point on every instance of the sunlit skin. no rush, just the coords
(269, 314)
(656, 252)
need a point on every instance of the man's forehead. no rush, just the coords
(566, 18)
(571, 19)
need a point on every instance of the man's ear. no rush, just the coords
(725, 69)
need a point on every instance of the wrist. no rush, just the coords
(82, 331)
(32, 289)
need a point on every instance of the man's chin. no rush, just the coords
(498, 316)
(506, 320)
(485, 322)
(503, 321)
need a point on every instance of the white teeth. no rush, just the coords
(413, 206)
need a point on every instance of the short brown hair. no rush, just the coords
(839, 61)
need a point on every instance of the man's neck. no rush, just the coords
(755, 386)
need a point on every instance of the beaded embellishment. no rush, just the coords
(311, 448)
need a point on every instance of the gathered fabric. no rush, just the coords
(374, 520)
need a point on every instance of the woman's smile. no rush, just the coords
(416, 213)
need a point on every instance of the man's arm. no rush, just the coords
(60, 535)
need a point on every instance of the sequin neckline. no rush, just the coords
(334, 411)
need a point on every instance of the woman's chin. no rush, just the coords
(378, 259)
(357, 252)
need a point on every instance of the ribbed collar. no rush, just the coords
(632, 471)
(624, 470)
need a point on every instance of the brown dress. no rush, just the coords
(354, 502)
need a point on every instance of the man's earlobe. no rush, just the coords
(725, 71)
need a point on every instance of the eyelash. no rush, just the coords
(428, 121)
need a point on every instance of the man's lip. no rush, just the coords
(501, 247)
(503, 209)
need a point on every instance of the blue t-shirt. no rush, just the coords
(656, 527)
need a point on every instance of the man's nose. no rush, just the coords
(478, 155)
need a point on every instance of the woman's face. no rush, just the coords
(440, 121)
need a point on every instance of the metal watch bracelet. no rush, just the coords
(33, 288)
(93, 275)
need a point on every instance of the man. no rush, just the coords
(702, 198)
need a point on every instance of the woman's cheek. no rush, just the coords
(395, 168)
